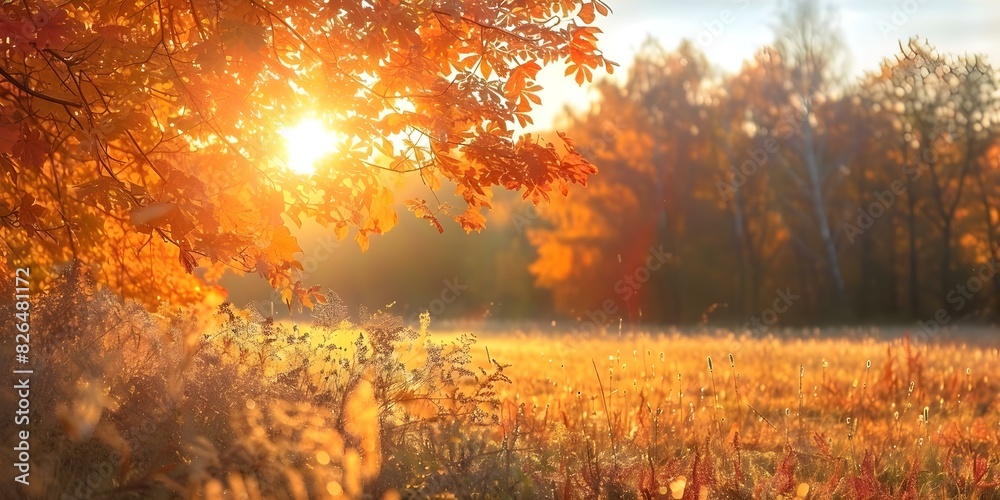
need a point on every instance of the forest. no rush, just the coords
(873, 199)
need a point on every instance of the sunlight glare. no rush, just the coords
(306, 143)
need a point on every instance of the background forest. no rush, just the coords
(871, 198)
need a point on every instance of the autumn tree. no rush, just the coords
(945, 111)
(734, 175)
(142, 139)
(744, 142)
(651, 139)
(812, 53)
(971, 88)
(580, 239)
(988, 184)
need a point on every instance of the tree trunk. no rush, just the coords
(816, 186)
(911, 225)
(991, 232)
(911, 217)
(945, 259)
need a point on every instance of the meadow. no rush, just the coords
(224, 403)
(713, 415)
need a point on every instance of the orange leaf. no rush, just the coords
(587, 13)
(472, 220)
(283, 246)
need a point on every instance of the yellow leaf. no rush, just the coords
(362, 240)
(283, 246)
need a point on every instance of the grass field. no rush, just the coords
(675, 415)
(708, 414)
(225, 404)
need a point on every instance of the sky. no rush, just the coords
(872, 30)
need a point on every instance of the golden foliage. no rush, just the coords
(142, 139)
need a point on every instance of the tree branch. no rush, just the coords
(24, 88)
(482, 25)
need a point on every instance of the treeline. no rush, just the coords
(784, 193)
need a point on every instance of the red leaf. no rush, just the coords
(29, 214)
(30, 149)
(187, 258)
(9, 135)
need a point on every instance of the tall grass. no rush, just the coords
(221, 402)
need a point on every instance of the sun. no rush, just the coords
(307, 142)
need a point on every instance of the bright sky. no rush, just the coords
(955, 26)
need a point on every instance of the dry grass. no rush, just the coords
(222, 403)
(673, 416)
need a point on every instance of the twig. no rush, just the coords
(28, 90)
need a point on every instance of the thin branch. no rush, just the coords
(28, 90)
(484, 26)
